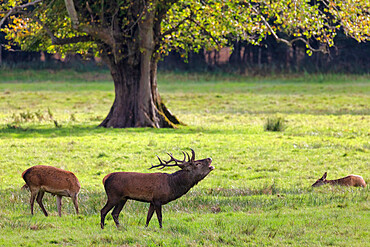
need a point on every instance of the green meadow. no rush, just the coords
(259, 194)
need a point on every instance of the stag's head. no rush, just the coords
(320, 181)
(197, 168)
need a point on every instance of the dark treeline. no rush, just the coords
(348, 56)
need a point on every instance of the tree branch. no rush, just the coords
(205, 30)
(102, 13)
(16, 8)
(70, 6)
(175, 28)
(285, 41)
(59, 41)
(101, 34)
(137, 19)
(72, 40)
(90, 11)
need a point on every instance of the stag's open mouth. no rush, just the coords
(210, 167)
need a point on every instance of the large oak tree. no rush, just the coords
(132, 35)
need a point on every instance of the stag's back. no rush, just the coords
(350, 180)
(355, 180)
(52, 179)
(137, 186)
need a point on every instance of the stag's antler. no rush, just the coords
(192, 155)
(164, 163)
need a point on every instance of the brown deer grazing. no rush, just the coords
(350, 180)
(155, 188)
(41, 179)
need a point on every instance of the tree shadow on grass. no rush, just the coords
(34, 131)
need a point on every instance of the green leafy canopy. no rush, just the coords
(52, 25)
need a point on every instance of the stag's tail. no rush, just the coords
(105, 178)
(25, 187)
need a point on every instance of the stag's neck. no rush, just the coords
(180, 183)
(337, 181)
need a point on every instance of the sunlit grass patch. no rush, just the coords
(259, 193)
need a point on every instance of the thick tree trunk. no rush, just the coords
(137, 102)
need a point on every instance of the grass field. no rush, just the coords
(259, 194)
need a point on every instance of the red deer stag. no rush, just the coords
(155, 188)
(350, 180)
(41, 179)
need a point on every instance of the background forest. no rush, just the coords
(271, 57)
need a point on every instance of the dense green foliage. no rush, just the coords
(259, 194)
(183, 25)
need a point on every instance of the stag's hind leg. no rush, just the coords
(32, 199)
(104, 211)
(40, 195)
(117, 210)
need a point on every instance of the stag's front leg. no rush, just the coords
(158, 211)
(75, 203)
(150, 214)
(32, 199)
(59, 205)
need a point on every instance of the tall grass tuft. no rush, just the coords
(274, 124)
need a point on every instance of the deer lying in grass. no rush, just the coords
(41, 179)
(155, 188)
(350, 180)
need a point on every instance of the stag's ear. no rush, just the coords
(187, 167)
(324, 176)
(182, 166)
